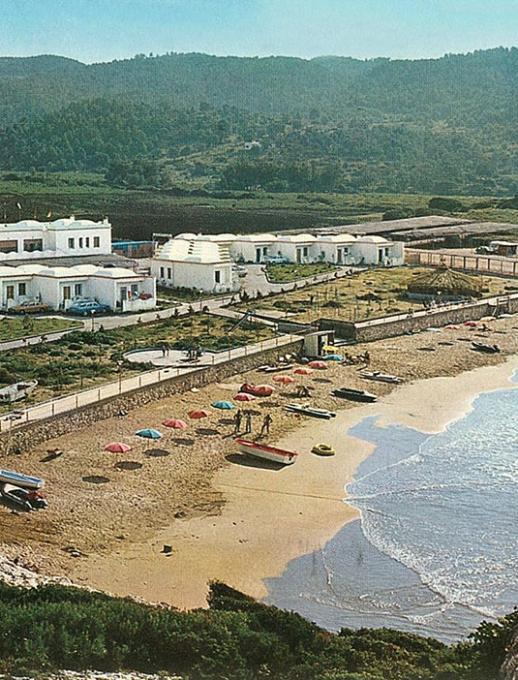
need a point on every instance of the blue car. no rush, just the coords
(88, 308)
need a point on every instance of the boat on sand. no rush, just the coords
(271, 453)
(21, 480)
(354, 395)
(17, 391)
(307, 410)
(483, 347)
(27, 499)
(380, 377)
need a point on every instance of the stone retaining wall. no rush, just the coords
(24, 436)
(368, 331)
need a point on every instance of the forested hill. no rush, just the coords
(440, 125)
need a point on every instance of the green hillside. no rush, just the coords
(328, 124)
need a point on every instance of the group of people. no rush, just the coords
(245, 417)
(363, 358)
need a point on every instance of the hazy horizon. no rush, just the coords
(104, 30)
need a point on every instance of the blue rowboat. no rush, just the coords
(18, 479)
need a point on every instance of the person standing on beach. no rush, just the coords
(265, 428)
(248, 422)
(237, 421)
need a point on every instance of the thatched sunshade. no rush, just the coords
(446, 283)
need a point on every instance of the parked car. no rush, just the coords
(277, 259)
(241, 271)
(29, 308)
(88, 308)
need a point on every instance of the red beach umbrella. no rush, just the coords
(321, 365)
(284, 379)
(470, 324)
(303, 371)
(175, 424)
(243, 396)
(197, 415)
(117, 447)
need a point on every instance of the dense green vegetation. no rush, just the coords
(236, 639)
(443, 126)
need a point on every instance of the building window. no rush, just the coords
(10, 246)
(97, 242)
(162, 275)
(71, 243)
(66, 292)
(9, 292)
(87, 242)
(22, 289)
(78, 289)
(134, 290)
(169, 275)
(217, 276)
(80, 242)
(305, 252)
(30, 245)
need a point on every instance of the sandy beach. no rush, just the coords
(226, 519)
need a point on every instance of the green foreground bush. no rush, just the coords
(236, 639)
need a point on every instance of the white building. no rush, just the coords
(336, 249)
(376, 250)
(200, 263)
(255, 248)
(58, 287)
(60, 238)
(297, 248)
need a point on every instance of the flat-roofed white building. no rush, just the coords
(376, 250)
(336, 249)
(61, 238)
(199, 263)
(253, 248)
(58, 287)
(297, 248)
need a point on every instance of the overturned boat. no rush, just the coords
(307, 410)
(354, 395)
(17, 391)
(482, 347)
(21, 480)
(380, 377)
(271, 453)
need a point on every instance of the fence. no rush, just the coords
(123, 386)
(482, 264)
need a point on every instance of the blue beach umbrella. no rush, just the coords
(224, 405)
(334, 357)
(149, 433)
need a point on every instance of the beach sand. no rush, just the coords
(226, 520)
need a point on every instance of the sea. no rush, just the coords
(435, 550)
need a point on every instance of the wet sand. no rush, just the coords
(226, 520)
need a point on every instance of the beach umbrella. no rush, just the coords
(334, 357)
(321, 365)
(470, 324)
(149, 433)
(284, 379)
(243, 396)
(223, 405)
(303, 371)
(197, 415)
(117, 447)
(175, 424)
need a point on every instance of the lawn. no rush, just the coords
(185, 294)
(22, 327)
(284, 273)
(369, 294)
(85, 359)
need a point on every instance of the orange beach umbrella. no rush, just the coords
(175, 424)
(284, 379)
(117, 447)
(196, 415)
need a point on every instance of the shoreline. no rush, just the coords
(270, 517)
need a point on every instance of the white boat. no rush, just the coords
(21, 480)
(17, 391)
(380, 377)
(27, 499)
(307, 410)
(266, 452)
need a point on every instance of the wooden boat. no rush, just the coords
(24, 498)
(21, 480)
(380, 377)
(488, 349)
(307, 410)
(17, 391)
(277, 369)
(354, 395)
(271, 453)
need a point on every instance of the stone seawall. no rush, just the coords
(377, 329)
(24, 436)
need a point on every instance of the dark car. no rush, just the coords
(88, 308)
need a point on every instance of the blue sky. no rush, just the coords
(101, 30)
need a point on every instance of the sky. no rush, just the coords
(102, 30)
